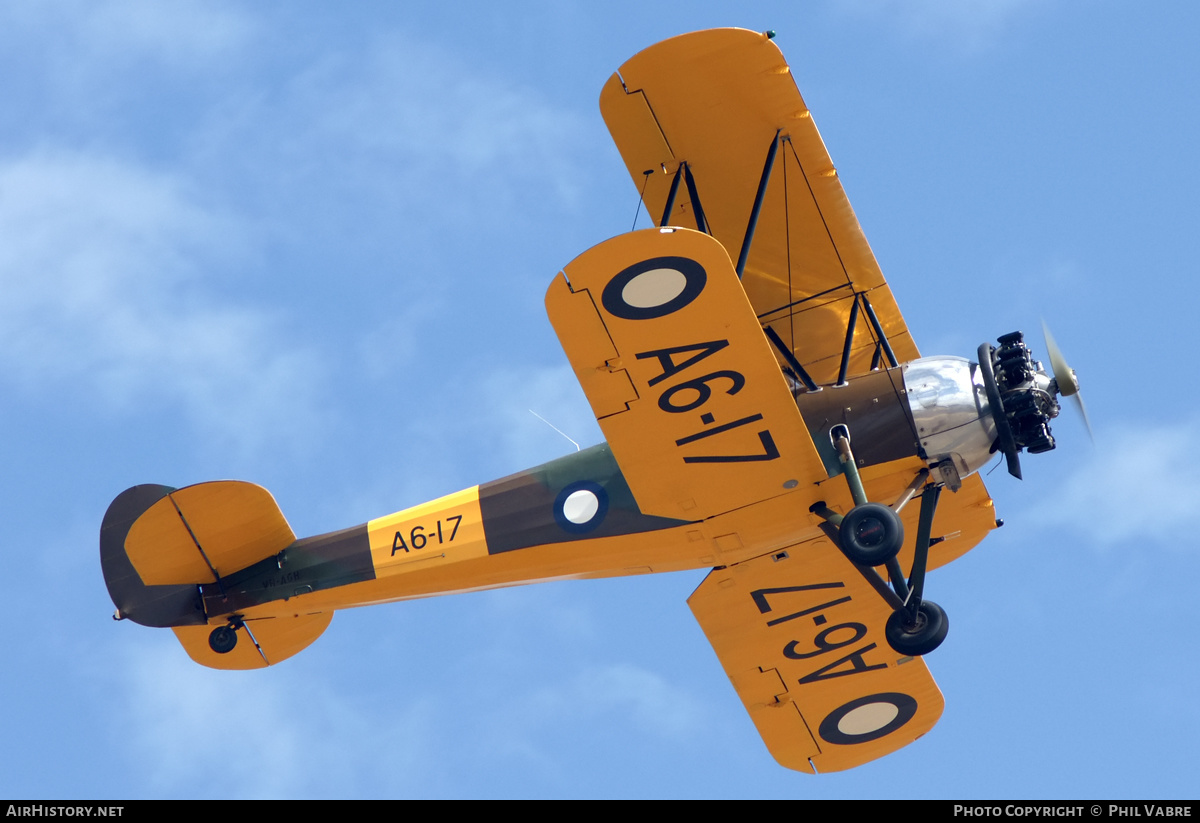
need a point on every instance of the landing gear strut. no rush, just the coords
(871, 535)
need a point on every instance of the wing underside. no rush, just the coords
(711, 124)
(679, 375)
(800, 635)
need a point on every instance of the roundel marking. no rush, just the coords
(867, 718)
(654, 288)
(581, 506)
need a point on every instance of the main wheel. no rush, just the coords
(871, 534)
(222, 639)
(920, 636)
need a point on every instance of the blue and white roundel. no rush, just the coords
(581, 506)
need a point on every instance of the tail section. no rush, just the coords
(160, 545)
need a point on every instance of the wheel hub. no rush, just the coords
(871, 532)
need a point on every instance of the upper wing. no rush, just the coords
(716, 101)
(679, 374)
(800, 634)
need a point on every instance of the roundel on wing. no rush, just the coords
(867, 718)
(580, 507)
(654, 288)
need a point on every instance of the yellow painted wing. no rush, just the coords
(800, 634)
(715, 100)
(679, 375)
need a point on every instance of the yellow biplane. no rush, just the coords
(767, 416)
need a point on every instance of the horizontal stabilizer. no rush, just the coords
(261, 643)
(206, 531)
(159, 544)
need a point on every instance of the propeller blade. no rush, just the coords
(1068, 383)
(1064, 375)
(1083, 411)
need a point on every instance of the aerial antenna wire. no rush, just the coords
(556, 428)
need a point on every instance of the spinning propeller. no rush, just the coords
(1022, 396)
(1065, 379)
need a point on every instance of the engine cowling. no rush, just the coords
(953, 413)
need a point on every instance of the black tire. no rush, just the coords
(222, 639)
(920, 636)
(871, 534)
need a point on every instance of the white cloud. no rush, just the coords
(404, 117)
(968, 23)
(99, 268)
(178, 32)
(293, 731)
(629, 691)
(172, 700)
(258, 734)
(1141, 483)
(526, 725)
(120, 32)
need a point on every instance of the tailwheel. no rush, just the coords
(222, 639)
(871, 534)
(916, 635)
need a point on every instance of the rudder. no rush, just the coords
(149, 605)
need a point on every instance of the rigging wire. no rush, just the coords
(787, 239)
(641, 196)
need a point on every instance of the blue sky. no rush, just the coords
(307, 245)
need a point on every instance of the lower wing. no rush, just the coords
(800, 634)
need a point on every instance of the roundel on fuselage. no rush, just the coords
(581, 506)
